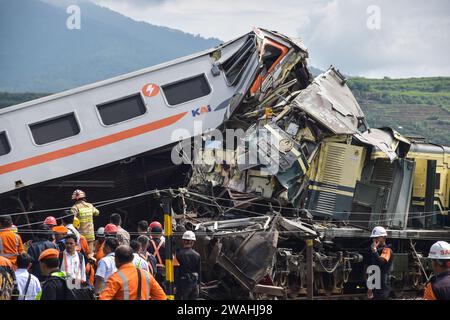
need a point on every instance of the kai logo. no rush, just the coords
(150, 90)
(201, 110)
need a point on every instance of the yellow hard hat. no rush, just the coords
(76, 223)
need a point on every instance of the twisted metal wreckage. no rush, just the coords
(320, 173)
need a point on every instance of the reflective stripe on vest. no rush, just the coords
(85, 214)
(126, 291)
(156, 253)
(9, 255)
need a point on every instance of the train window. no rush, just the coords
(437, 185)
(5, 148)
(186, 90)
(55, 129)
(270, 56)
(234, 65)
(123, 109)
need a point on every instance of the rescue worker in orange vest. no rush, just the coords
(381, 256)
(438, 287)
(85, 212)
(10, 242)
(129, 282)
(157, 248)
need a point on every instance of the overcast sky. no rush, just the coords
(408, 37)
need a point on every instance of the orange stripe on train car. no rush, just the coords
(89, 145)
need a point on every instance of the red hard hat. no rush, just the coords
(51, 221)
(111, 228)
(155, 224)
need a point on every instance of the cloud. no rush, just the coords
(413, 39)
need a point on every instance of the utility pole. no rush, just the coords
(166, 203)
(309, 269)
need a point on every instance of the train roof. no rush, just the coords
(429, 148)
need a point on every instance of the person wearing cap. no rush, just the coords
(85, 211)
(99, 243)
(60, 233)
(107, 265)
(54, 287)
(129, 282)
(50, 221)
(11, 244)
(41, 243)
(157, 249)
(122, 235)
(381, 256)
(438, 287)
(187, 278)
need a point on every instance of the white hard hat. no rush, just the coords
(189, 235)
(378, 232)
(101, 232)
(440, 251)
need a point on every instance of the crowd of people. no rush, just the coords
(69, 260)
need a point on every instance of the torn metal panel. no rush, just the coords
(386, 141)
(330, 102)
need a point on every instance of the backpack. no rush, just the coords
(85, 292)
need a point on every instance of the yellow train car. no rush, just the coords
(421, 153)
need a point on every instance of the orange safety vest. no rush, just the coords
(10, 245)
(123, 285)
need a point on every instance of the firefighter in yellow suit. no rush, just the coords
(85, 212)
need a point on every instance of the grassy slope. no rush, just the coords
(417, 106)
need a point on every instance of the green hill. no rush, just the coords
(417, 106)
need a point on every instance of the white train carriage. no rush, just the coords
(107, 121)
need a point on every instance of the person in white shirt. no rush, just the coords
(72, 262)
(138, 261)
(106, 265)
(29, 286)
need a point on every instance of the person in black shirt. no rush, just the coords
(54, 287)
(188, 271)
(38, 246)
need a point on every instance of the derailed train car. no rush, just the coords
(338, 176)
(114, 138)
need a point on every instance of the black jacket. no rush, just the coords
(54, 288)
(35, 251)
(190, 262)
(441, 285)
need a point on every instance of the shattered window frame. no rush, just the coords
(234, 66)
